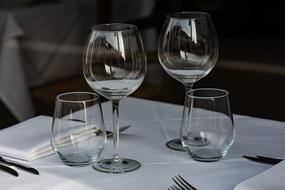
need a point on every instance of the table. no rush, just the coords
(153, 124)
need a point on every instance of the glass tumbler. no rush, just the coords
(207, 128)
(78, 133)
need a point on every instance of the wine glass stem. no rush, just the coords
(115, 108)
(188, 87)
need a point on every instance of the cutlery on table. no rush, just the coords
(121, 129)
(263, 159)
(108, 133)
(9, 170)
(19, 165)
(181, 183)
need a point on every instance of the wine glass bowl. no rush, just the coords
(187, 50)
(114, 65)
(188, 46)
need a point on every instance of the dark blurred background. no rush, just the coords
(250, 64)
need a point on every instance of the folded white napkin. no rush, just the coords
(273, 178)
(29, 140)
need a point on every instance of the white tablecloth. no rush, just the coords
(153, 124)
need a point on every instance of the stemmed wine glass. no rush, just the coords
(187, 50)
(114, 65)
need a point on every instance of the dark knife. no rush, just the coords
(9, 170)
(269, 159)
(263, 159)
(19, 165)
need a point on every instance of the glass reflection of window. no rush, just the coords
(121, 45)
(115, 42)
(193, 31)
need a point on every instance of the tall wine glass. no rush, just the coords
(114, 65)
(187, 50)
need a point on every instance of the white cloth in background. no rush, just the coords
(40, 44)
(13, 82)
(53, 41)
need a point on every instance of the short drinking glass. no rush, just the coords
(207, 127)
(78, 133)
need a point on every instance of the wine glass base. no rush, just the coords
(175, 144)
(123, 165)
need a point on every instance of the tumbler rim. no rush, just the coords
(188, 15)
(223, 93)
(60, 97)
(114, 27)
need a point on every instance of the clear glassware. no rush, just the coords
(114, 65)
(207, 127)
(78, 133)
(187, 50)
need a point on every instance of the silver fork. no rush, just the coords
(181, 183)
(173, 187)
